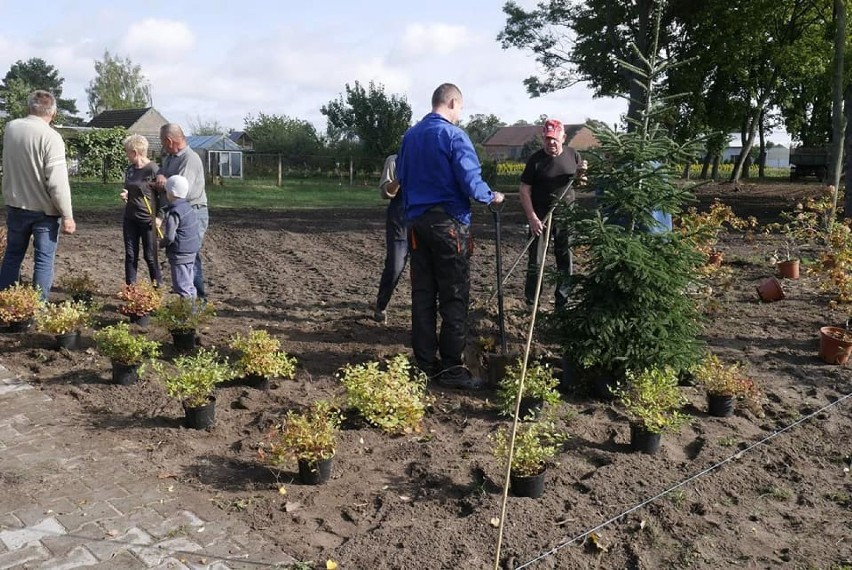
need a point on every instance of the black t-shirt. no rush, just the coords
(137, 182)
(548, 175)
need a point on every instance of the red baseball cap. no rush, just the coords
(553, 129)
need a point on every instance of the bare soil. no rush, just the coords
(426, 500)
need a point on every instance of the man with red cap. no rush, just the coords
(545, 175)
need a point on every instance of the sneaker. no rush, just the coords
(381, 317)
(464, 381)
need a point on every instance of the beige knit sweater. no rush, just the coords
(35, 175)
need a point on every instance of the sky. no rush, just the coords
(214, 60)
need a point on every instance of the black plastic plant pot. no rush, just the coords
(200, 417)
(68, 341)
(124, 374)
(530, 409)
(720, 406)
(184, 340)
(569, 376)
(602, 387)
(17, 326)
(141, 320)
(85, 297)
(644, 441)
(315, 472)
(532, 487)
(256, 381)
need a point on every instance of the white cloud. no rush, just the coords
(156, 39)
(424, 40)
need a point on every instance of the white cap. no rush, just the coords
(178, 186)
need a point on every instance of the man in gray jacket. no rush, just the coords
(36, 192)
(180, 159)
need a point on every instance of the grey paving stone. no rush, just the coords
(183, 522)
(171, 564)
(110, 548)
(61, 545)
(158, 552)
(33, 514)
(16, 539)
(22, 557)
(78, 557)
(123, 560)
(99, 511)
(9, 521)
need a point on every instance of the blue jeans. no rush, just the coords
(395, 257)
(21, 225)
(203, 221)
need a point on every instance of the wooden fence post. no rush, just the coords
(351, 172)
(280, 171)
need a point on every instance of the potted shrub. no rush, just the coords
(835, 345)
(798, 227)
(261, 358)
(653, 401)
(139, 300)
(193, 381)
(81, 286)
(536, 445)
(703, 228)
(64, 320)
(724, 384)
(539, 388)
(394, 399)
(18, 306)
(127, 351)
(182, 317)
(311, 438)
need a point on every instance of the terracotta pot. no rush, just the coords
(715, 259)
(788, 269)
(833, 346)
(770, 290)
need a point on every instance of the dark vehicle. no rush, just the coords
(809, 161)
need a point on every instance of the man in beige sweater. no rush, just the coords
(36, 192)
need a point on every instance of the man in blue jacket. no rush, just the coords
(440, 172)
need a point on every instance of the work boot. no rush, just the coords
(460, 378)
(380, 317)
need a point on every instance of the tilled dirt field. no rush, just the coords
(426, 501)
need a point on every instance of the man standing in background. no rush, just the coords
(396, 241)
(439, 171)
(546, 174)
(180, 159)
(36, 192)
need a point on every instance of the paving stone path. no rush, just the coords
(91, 512)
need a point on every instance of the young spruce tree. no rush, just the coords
(630, 310)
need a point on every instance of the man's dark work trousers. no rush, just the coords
(440, 281)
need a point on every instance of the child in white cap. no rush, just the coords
(181, 238)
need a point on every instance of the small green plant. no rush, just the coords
(727, 441)
(19, 303)
(139, 298)
(180, 314)
(536, 444)
(195, 377)
(539, 383)
(310, 436)
(722, 379)
(261, 355)
(80, 286)
(62, 318)
(117, 343)
(394, 399)
(653, 400)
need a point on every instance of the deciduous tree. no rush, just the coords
(370, 117)
(23, 78)
(118, 84)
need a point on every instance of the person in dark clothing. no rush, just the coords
(396, 240)
(546, 174)
(139, 211)
(439, 171)
(182, 238)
